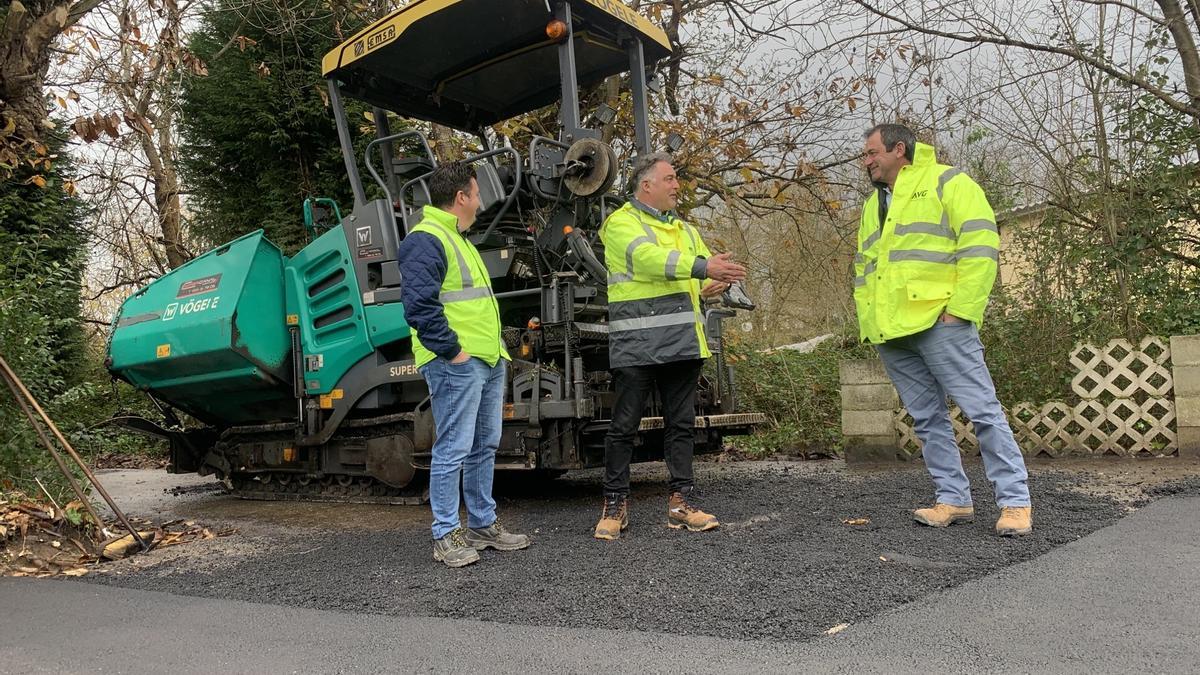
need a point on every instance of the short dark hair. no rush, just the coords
(891, 134)
(447, 180)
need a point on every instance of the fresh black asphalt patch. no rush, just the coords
(787, 564)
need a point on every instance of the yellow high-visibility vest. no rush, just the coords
(654, 310)
(937, 250)
(466, 293)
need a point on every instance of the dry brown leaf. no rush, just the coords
(75, 572)
(856, 521)
(837, 629)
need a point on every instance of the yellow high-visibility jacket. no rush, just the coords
(654, 311)
(466, 294)
(937, 249)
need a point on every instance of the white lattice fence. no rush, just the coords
(1124, 407)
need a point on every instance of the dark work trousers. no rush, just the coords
(676, 383)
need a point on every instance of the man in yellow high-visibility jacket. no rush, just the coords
(927, 257)
(656, 264)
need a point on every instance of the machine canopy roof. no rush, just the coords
(470, 63)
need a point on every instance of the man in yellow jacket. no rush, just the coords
(656, 265)
(927, 257)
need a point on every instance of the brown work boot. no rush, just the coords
(944, 515)
(1015, 520)
(614, 517)
(681, 513)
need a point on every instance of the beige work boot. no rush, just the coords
(681, 513)
(1015, 520)
(614, 517)
(944, 515)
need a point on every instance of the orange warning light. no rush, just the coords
(557, 30)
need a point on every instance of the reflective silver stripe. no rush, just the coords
(858, 258)
(978, 225)
(945, 178)
(868, 270)
(870, 241)
(978, 252)
(691, 235)
(644, 322)
(463, 270)
(620, 278)
(465, 294)
(923, 256)
(672, 265)
(648, 239)
(942, 180)
(936, 229)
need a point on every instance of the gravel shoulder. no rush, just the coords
(784, 566)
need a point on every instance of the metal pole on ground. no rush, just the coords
(25, 399)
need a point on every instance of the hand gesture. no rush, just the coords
(713, 288)
(721, 267)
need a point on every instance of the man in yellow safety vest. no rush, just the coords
(455, 322)
(928, 251)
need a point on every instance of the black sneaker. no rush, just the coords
(453, 550)
(495, 536)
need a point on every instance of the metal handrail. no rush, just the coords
(387, 139)
(509, 198)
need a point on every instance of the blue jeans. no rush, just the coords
(468, 402)
(948, 359)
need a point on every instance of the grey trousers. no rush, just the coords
(948, 359)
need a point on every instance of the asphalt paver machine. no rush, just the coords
(295, 374)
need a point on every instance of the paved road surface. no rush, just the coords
(1123, 599)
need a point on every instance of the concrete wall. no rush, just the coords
(1185, 375)
(869, 403)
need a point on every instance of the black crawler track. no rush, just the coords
(291, 486)
(347, 489)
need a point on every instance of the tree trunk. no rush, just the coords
(1185, 45)
(26, 35)
(165, 179)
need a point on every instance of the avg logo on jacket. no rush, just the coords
(920, 194)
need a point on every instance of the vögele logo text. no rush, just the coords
(190, 307)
